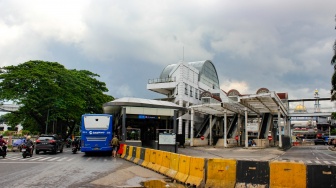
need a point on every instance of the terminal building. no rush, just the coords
(199, 112)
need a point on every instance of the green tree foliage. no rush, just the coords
(48, 92)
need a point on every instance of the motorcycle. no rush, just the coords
(27, 151)
(75, 147)
(3, 151)
(68, 143)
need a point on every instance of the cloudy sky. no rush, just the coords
(285, 46)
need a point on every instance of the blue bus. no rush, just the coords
(96, 133)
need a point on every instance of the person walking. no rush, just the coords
(115, 144)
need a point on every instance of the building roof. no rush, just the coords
(206, 69)
(115, 106)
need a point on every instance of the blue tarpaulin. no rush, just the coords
(18, 142)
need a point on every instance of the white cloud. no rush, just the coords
(284, 46)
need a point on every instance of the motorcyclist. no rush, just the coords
(76, 143)
(3, 143)
(30, 144)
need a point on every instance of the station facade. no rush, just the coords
(199, 112)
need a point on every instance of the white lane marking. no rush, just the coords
(309, 162)
(53, 159)
(63, 158)
(45, 158)
(24, 162)
(318, 162)
(334, 162)
(36, 158)
(70, 159)
(326, 162)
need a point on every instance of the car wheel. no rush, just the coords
(37, 151)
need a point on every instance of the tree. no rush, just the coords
(50, 96)
(333, 78)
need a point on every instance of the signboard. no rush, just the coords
(148, 117)
(167, 139)
(252, 127)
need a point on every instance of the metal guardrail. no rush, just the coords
(161, 80)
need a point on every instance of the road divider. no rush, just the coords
(218, 172)
(221, 173)
(252, 173)
(287, 174)
(196, 172)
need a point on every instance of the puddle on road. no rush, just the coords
(162, 184)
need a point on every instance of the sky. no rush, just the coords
(285, 46)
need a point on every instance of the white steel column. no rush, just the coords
(279, 128)
(192, 128)
(225, 126)
(246, 132)
(179, 118)
(239, 129)
(210, 130)
(186, 130)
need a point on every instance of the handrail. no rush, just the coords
(161, 80)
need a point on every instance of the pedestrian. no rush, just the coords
(115, 145)
(3, 143)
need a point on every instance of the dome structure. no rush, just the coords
(207, 72)
(300, 108)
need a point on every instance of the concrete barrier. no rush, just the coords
(146, 157)
(130, 152)
(125, 153)
(173, 166)
(196, 172)
(133, 153)
(321, 176)
(288, 174)
(221, 173)
(142, 156)
(158, 160)
(252, 174)
(201, 172)
(183, 168)
(165, 164)
(137, 155)
(152, 159)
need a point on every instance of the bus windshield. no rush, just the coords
(96, 123)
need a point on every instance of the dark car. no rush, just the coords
(52, 143)
(319, 142)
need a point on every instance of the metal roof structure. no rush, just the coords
(254, 104)
(115, 106)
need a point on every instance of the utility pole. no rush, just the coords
(46, 131)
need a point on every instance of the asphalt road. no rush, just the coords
(316, 154)
(71, 170)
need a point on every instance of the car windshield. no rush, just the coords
(46, 138)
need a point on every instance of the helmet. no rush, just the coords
(28, 137)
